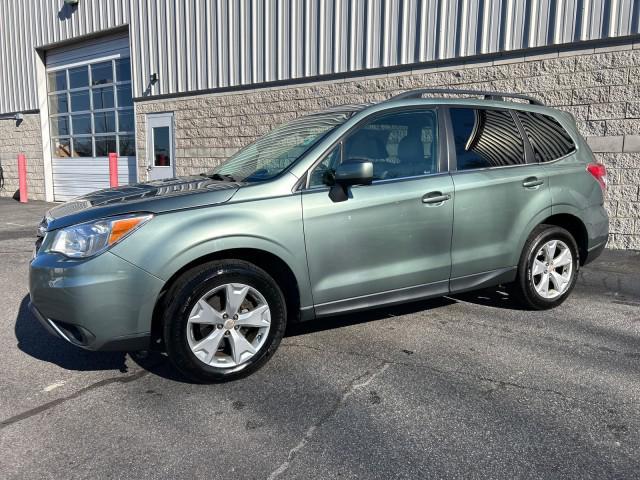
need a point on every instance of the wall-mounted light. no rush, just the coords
(18, 117)
(153, 79)
(71, 2)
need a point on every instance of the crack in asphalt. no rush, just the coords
(498, 383)
(354, 385)
(54, 403)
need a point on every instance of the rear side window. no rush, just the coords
(548, 139)
(486, 138)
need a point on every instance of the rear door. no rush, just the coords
(497, 192)
(389, 241)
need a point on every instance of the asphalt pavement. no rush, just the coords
(461, 387)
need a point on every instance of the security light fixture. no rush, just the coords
(153, 79)
(71, 2)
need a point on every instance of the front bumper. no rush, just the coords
(102, 303)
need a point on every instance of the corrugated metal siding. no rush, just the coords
(206, 44)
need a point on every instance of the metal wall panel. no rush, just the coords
(207, 44)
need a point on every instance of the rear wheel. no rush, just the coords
(548, 268)
(224, 320)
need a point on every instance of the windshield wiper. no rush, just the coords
(222, 177)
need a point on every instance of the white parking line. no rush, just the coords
(53, 386)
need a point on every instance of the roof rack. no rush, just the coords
(487, 95)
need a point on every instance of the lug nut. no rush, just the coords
(236, 327)
(225, 316)
(226, 334)
(219, 326)
(235, 317)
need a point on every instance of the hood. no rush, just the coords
(157, 196)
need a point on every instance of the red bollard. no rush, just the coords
(22, 177)
(113, 169)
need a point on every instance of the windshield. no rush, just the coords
(277, 150)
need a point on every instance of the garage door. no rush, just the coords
(90, 115)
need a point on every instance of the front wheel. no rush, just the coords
(548, 268)
(224, 320)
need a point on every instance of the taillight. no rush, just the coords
(599, 172)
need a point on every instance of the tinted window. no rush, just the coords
(486, 138)
(399, 145)
(547, 137)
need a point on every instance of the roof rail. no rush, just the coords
(487, 95)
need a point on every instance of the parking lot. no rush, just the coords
(464, 387)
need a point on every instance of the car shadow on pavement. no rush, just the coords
(35, 341)
(497, 297)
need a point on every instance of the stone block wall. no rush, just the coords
(599, 86)
(24, 137)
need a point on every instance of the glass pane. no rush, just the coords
(58, 103)
(485, 138)
(547, 137)
(80, 101)
(57, 80)
(104, 122)
(78, 77)
(82, 147)
(125, 120)
(123, 70)
(105, 146)
(399, 145)
(161, 147)
(103, 98)
(61, 147)
(59, 126)
(323, 174)
(127, 146)
(124, 95)
(81, 123)
(101, 73)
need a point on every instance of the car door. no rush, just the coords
(389, 241)
(497, 193)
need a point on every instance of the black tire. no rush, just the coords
(523, 288)
(194, 284)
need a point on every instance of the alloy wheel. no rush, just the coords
(228, 325)
(552, 269)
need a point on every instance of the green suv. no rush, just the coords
(348, 209)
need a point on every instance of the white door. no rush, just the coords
(160, 146)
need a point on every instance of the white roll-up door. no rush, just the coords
(90, 112)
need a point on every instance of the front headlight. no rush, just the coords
(89, 239)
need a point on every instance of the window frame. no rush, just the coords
(442, 147)
(529, 157)
(116, 109)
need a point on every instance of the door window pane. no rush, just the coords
(323, 173)
(104, 122)
(78, 77)
(57, 80)
(81, 123)
(82, 147)
(61, 147)
(103, 98)
(101, 73)
(486, 138)
(399, 145)
(123, 70)
(105, 146)
(80, 101)
(58, 103)
(161, 147)
(547, 137)
(127, 145)
(124, 95)
(59, 126)
(125, 120)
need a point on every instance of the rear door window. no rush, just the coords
(486, 138)
(549, 140)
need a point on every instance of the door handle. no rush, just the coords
(532, 182)
(433, 198)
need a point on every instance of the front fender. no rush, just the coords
(170, 241)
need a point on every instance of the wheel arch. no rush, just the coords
(275, 266)
(576, 227)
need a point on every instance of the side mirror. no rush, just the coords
(354, 172)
